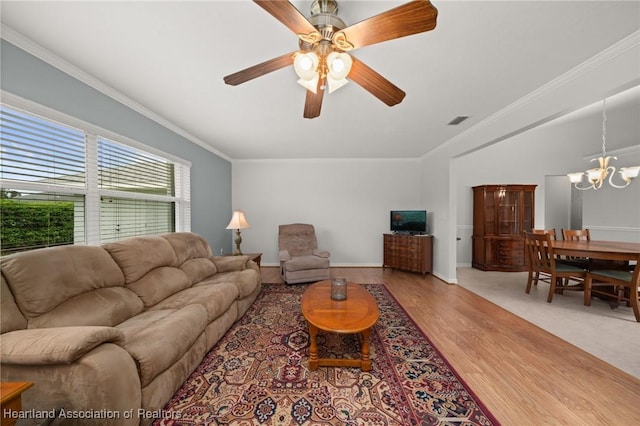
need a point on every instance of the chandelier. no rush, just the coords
(597, 176)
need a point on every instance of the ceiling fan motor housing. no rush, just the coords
(325, 19)
(324, 6)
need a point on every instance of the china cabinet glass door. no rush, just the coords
(508, 212)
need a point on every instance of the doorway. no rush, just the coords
(562, 204)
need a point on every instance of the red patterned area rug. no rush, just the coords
(258, 374)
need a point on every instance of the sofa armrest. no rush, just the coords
(284, 255)
(56, 345)
(321, 253)
(230, 263)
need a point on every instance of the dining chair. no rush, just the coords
(576, 235)
(540, 275)
(543, 261)
(626, 283)
(550, 231)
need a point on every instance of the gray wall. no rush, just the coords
(31, 78)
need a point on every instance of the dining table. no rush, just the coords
(596, 249)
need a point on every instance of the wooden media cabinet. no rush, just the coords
(408, 252)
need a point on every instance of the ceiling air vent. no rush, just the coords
(459, 119)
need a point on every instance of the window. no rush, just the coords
(143, 188)
(64, 183)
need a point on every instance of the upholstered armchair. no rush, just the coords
(300, 259)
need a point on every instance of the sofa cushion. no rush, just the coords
(101, 307)
(158, 339)
(62, 345)
(188, 245)
(246, 281)
(42, 279)
(216, 298)
(198, 269)
(159, 284)
(137, 256)
(193, 255)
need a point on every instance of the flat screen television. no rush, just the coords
(409, 221)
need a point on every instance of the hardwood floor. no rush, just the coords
(523, 374)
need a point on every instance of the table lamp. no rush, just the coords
(238, 222)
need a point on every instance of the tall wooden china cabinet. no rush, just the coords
(500, 215)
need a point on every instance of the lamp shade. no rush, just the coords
(630, 172)
(595, 175)
(575, 177)
(238, 221)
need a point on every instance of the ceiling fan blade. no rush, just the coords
(411, 18)
(260, 69)
(287, 13)
(375, 84)
(313, 101)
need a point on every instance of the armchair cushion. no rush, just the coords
(301, 263)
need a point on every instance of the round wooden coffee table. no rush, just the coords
(357, 314)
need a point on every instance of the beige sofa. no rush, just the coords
(113, 331)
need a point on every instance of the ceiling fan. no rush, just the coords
(324, 40)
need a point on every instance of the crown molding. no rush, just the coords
(12, 36)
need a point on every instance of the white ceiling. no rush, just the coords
(171, 57)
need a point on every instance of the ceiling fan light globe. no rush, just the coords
(335, 84)
(339, 65)
(305, 65)
(311, 84)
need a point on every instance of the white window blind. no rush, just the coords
(122, 168)
(123, 218)
(41, 151)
